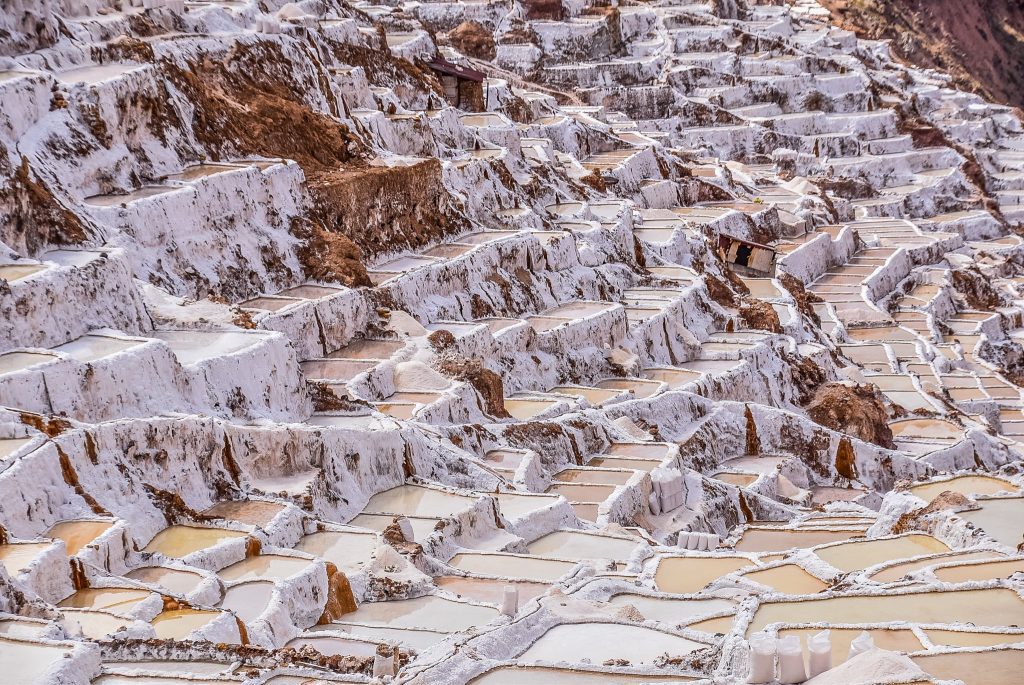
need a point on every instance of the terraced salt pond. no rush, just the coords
(789, 579)
(861, 554)
(78, 534)
(672, 611)
(348, 551)
(998, 667)
(1002, 519)
(489, 590)
(177, 581)
(248, 600)
(180, 541)
(265, 566)
(577, 546)
(178, 624)
(780, 539)
(965, 485)
(512, 565)
(691, 573)
(992, 607)
(590, 642)
(429, 612)
(24, 662)
(517, 675)
(979, 570)
(115, 600)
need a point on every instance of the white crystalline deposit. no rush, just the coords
(502, 342)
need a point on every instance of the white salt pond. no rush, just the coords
(507, 564)
(1001, 518)
(19, 361)
(601, 642)
(248, 600)
(25, 663)
(576, 546)
(348, 551)
(413, 500)
(265, 566)
(429, 612)
(177, 581)
(518, 675)
(673, 611)
(193, 347)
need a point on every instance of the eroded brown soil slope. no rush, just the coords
(979, 42)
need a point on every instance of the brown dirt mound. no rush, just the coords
(473, 39)
(760, 315)
(483, 380)
(385, 209)
(979, 42)
(804, 298)
(250, 103)
(328, 256)
(31, 216)
(857, 410)
(976, 288)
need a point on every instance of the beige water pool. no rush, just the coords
(788, 578)
(248, 600)
(19, 361)
(25, 663)
(577, 545)
(594, 476)
(691, 574)
(177, 581)
(992, 607)
(891, 574)
(178, 624)
(980, 570)
(637, 387)
(577, 492)
(412, 500)
(265, 566)
(1002, 519)
(965, 485)
(348, 551)
(115, 600)
(9, 446)
(998, 667)
(91, 347)
(249, 512)
(860, 554)
(78, 534)
(180, 541)
(972, 638)
(16, 557)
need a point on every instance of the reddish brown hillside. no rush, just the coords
(979, 42)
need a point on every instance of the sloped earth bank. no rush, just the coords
(704, 334)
